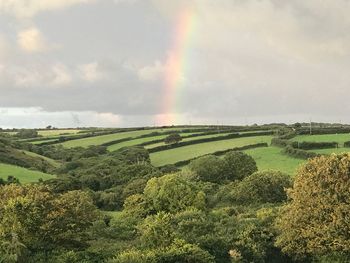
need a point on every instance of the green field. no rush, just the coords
(53, 162)
(50, 133)
(22, 174)
(134, 142)
(339, 138)
(272, 158)
(98, 140)
(186, 139)
(192, 151)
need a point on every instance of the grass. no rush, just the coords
(271, 158)
(53, 162)
(98, 140)
(134, 142)
(339, 138)
(192, 151)
(50, 133)
(22, 174)
(186, 139)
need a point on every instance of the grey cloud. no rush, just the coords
(247, 60)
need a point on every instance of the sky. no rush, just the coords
(123, 63)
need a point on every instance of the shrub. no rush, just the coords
(262, 187)
(238, 165)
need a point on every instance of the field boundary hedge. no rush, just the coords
(318, 131)
(298, 153)
(316, 145)
(222, 152)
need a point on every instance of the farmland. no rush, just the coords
(98, 140)
(339, 138)
(192, 151)
(22, 174)
(272, 158)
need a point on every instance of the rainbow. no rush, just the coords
(176, 67)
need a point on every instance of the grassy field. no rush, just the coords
(98, 140)
(192, 151)
(339, 138)
(50, 133)
(272, 158)
(53, 162)
(23, 175)
(118, 146)
(186, 139)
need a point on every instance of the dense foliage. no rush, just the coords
(316, 221)
(116, 207)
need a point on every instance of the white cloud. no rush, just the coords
(56, 75)
(61, 76)
(31, 40)
(90, 72)
(151, 72)
(29, 8)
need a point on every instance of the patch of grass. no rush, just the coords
(186, 139)
(53, 162)
(271, 158)
(98, 140)
(339, 138)
(134, 142)
(50, 133)
(22, 174)
(195, 150)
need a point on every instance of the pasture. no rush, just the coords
(192, 151)
(339, 138)
(187, 139)
(22, 174)
(271, 158)
(98, 140)
(51, 133)
(53, 162)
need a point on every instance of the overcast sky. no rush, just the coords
(102, 62)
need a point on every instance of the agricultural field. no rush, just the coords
(339, 138)
(98, 140)
(134, 142)
(192, 151)
(22, 174)
(51, 133)
(187, 139)
(271, 158)
(54, 163)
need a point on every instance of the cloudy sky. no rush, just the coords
(106, 62)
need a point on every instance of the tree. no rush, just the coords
(238, 165)
(172, 193)
(178, 251)
(262, 187)
(316, 221)
(172, 138)
(209, 168)
(32, 216)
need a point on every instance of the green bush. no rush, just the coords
(262, 187)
